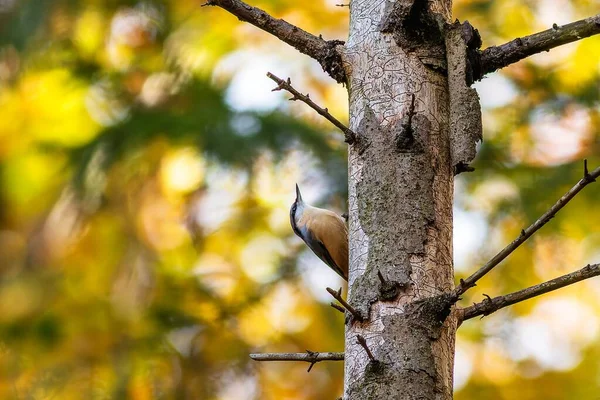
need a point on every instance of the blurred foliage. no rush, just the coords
(145, 177)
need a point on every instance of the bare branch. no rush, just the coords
(310, 356)
(324, 51)
(497, 57)
(324, 112)
(488, 306)
(381, 278)
(338, 307)
(338, 296)
(361, 340)
(588, 177)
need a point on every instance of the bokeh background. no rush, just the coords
(146, 172)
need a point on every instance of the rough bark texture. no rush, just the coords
(465, 111)
(400, 204)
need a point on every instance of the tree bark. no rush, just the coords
(400, 202)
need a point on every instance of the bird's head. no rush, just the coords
(296, 211)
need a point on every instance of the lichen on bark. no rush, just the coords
(391, 252)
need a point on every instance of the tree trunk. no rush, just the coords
(400, 202)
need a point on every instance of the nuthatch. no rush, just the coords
(323, 231)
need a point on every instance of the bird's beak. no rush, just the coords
(298, 195)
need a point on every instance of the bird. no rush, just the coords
(323, 231)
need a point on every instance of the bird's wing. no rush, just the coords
(321, 251)
(332, 234)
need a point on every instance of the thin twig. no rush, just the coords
(324, 51)
(338, 296)
(361, 340)
(527, 233)
(490, 305)
(324, 112)
(497, 57)
(586, 174)
(381, 278)
(312, 357)
(337, 307)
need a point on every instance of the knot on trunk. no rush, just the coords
(388, 290)
(331, 61)
(416, 29)
(473, 43)
(431, 313)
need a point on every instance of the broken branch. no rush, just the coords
(287, 85)
(497, 57)
(338, 307)
(338, 296)
(324, 51)
(588, 178)
(361, 340)
(488, 306)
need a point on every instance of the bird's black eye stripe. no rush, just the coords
(293, 214)
(293, 219)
